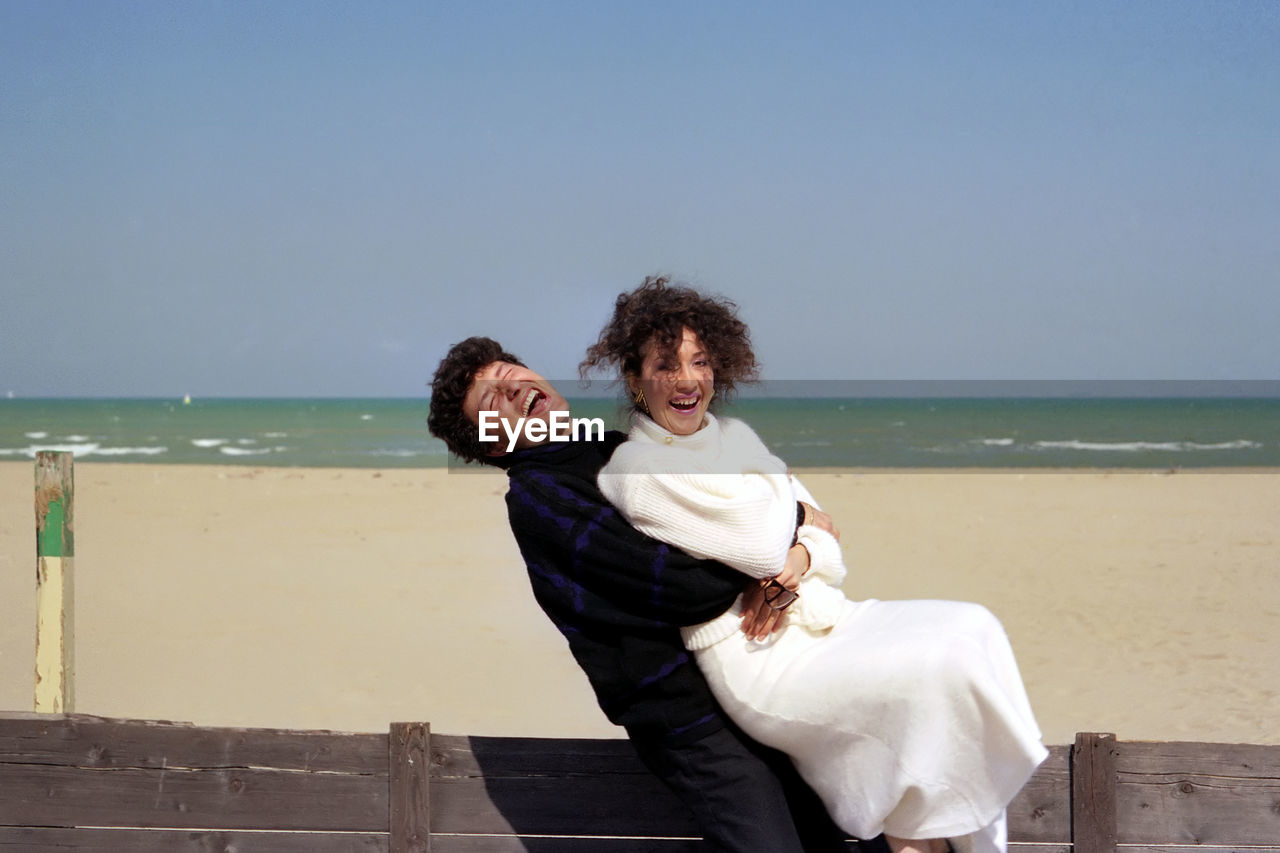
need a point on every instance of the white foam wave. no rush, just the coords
(995, 442)
(1240, 444)
(36, 436)
(1139, 446)
(208, 442)
(245, 451)
(82, 450)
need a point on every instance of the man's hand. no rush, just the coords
(819, 519)
(760, 614)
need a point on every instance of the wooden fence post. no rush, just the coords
(410, 793)
(1093, 793)
(55, 587)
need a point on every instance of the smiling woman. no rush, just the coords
(676, 389)
(675, 338)
(908, 718)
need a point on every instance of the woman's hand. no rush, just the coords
(819, 519)
(759, 620)
(765, 602)
(794, 568)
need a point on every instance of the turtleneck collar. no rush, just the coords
(703, 438)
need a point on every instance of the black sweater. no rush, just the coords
(616, 595)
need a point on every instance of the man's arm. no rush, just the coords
(598, 550)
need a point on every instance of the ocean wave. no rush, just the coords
(994, 442)
(131, 451)
(81, 450)
(248, 451)
(208, 442)
(1140, 446)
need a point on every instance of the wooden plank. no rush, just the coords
(1093, 793)
(40, 840)
(43, 840)
(55, 583)
(1198, 793)
(1041, 812)
(235, 798)
(460, 755)
(515, 844)
(1207, 848)
(589, 787)
(80, 740)
(548, 786)
(409, 794)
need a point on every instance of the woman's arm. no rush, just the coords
(730, 500)
(746, 521)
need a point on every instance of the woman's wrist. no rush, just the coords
(802, 513)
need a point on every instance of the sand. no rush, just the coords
(1141, 603)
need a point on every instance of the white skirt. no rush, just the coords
(907, 718)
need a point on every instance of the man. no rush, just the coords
(619, 597)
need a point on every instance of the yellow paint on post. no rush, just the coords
(55, 588)
(53, 658)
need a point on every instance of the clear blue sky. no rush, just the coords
(307, 198)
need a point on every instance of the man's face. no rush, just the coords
(514, 392)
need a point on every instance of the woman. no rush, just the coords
(908, 718)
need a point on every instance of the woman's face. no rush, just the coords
(677, 388)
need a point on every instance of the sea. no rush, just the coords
(870, 429)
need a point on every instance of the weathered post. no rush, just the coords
(55, 587)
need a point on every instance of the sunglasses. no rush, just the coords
(778, 597)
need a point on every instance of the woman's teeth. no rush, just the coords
(529, 401)
(685, 405)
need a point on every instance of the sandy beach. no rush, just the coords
(1141, 603)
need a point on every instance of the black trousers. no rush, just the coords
(745, 797)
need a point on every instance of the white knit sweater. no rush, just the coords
(720, 494)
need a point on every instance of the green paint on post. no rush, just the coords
(50, 541)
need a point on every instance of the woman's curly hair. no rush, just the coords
(453, 379)
(657, 312)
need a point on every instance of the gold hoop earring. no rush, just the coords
(640, 401)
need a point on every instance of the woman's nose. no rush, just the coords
(686, 381)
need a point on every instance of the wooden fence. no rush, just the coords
(81, 783)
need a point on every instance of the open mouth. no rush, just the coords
(685, 405)
(530, 400)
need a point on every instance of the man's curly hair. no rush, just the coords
(453, 379)
(657, 312)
